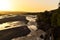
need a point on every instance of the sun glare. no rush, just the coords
(5, 5)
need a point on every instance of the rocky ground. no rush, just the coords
(35, 35)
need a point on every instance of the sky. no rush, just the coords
(28, 5)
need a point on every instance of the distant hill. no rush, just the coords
(17, 12)
(52, 15)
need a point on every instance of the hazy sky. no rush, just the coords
(28, 5)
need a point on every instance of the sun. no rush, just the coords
(5, 5)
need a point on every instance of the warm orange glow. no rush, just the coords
(34, 5)
(28, 5)
(5, 5)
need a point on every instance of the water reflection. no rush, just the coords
(19, 21)
(7, 16)
(12, 21)
(13, 24)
